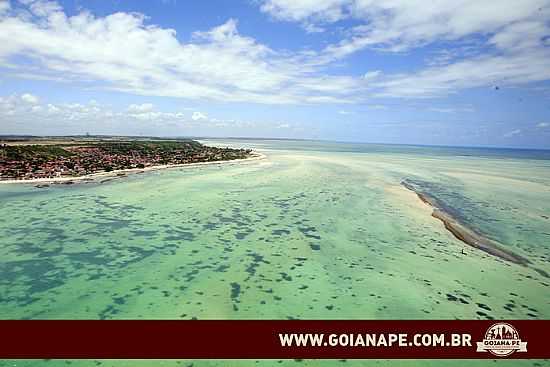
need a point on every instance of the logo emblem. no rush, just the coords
(501, 340)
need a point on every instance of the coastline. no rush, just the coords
(94, 177)
(465, 234)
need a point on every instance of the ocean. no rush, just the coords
(317, 230)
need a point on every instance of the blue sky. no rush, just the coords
(460, 72)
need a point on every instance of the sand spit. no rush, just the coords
(465, 234)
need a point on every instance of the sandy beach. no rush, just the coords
(123, 172)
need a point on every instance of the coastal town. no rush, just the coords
(74, 159)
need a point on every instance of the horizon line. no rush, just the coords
(198, 137)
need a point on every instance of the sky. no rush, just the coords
(456, 72)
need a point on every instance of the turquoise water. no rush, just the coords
(316, 230)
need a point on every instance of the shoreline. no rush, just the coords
(465, 234)
(94, 177)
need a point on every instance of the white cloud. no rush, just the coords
(442, 110)
(512, 133)
(18, 117)
(515, 50)
(543, 125)
(372, 74)
(198, 116)
(299, 10)
(4, 6)
(403, 23)
(378, 107)
(52, 108)
(123, 52)
(29, 98)
(451, 109)
(516, 68)
(312, 28)
(140, 108)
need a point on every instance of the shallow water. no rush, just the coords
(314, 231)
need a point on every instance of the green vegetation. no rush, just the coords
(34, 152)
(149, 147)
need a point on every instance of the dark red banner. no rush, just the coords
(273, 339)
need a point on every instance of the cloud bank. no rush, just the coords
(509, 38)
(499, 43)
(20, 113)
(123, 52)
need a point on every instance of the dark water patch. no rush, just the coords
(108, 312)
(483, 314)
(286, 277)
(211, 226)
(177, 235)
(94, 257)
(484, 306)
(257, 259)
(120, 300)
(315, 247)
(235, 290)
(144, 233)
(223, 219)
(126, 208)
(134, 255)
(542, 272)
(235, 294)
(91, 233)
(222, 268)
(241, 235)
(106, 224)
(190, 275)
(138, 290)
(40, 251)
(280, 232)
(453, 298)
(50, 231)
(310, 232)
(36, 275)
